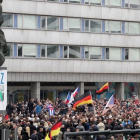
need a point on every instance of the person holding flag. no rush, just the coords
(82, 100)
(55, 130)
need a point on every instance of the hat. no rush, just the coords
(101, 127)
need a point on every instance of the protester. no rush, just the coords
(32, 119)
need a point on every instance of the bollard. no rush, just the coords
(7, 134)
(16, 133)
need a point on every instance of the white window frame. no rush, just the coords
(129, 28)
(23, 51)
(58, 51)
(89, 25)
(134, 8)
(35, 22)
(110, 26)
(58, 23)
(109, 54)
(67, 52)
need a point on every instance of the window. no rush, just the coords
(92, 52)
(8, 50)
(19, 21)
(53, 0)
(8, 20)
(95, 26)
(135, 3)
(74, 24)
(95, 2)
(126, 27)
(115, 27)
(53, 23)
(43, 51)
(52, 51)
(126, 3)
(19, 50)
(74, 52)
(113, 53)
(107, 26)
(43, 22)
(126, 54)
(134, 28)
(87, 25)
(29, 21)
(134, 54)
(65, 55)
(29, 50)
(74, 1)
(115, 2)
(65, 24)
(71, 24)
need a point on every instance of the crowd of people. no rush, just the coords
(32, 121)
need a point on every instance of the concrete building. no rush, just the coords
(56, 45)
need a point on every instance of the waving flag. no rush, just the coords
(75, 92)
(68, 98)
(83, 99)
(55, 130)
(51, 110)
(73, 95)
(47, 137)
(109, 104)
(103, 89)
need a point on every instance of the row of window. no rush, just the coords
(72, 52)
(71, 24)
(119, 3)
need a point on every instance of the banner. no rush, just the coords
(3, 89)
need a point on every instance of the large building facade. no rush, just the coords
(55, 46)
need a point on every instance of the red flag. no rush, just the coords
(6, 117)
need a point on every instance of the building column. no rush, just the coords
(81, 88)
(35, 90)
(119, 90)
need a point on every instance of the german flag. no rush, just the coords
(103, 89)
(83, 99)
(47, 137)
(55, 130)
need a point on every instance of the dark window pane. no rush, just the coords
(8, 20)
(43, 51)
(126, 54)
(65, 52)
(20, 51)
(107, 53)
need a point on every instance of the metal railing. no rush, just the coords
(126, 133)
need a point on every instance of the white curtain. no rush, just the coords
(65, 23)
(19, 21)
(107, 26)
(29, 50)
(96, 2)
(29, 22)
(115, 27)
(95, 52)
(106, 2)
(135, 2)
(134, 28)
(126, 27)
(134, 54)
(74, 24)
(115, 53)
(115, 2)
(74, 1)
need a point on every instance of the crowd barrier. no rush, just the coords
(86, 134)
(5, 133)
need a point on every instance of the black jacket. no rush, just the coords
(40, 135)
(34, 137)
(9, 109)
(32, 128)
(31, 106)
(44, 131)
